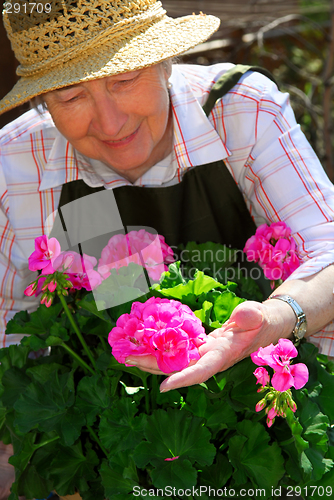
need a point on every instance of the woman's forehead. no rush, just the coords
(119, 76)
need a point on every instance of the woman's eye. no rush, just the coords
(73, 98)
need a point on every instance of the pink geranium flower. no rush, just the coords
(46, 251)
(79, 270)
(274, 249)
(279, 358)
(166, 329)
(139, 247)
(262, 376)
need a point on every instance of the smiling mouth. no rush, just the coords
(122, 142)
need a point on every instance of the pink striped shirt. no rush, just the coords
(252, 128)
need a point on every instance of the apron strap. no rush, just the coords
(227, 81)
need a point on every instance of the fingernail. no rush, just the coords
(131, 362)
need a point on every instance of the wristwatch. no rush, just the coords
(301, 324)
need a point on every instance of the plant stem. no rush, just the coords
(77, 357)
(103, 342)
(48, 441)
(76, 329)
(95, 437)
(147, 396)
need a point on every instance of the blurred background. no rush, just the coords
(294, 39)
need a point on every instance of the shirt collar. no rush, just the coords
(194, 145)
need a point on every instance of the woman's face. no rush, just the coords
(123, 120)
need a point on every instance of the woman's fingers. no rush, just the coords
(209, 364)
(146, 363)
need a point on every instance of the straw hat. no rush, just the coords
(70, 41)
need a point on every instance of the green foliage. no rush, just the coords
(107, 431)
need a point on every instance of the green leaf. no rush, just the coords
(217, 475)
(200, 284)
(218, 414)
(33, 485)
(174, 433)
(57, 330)
(14, 382)
(297, 430)
(325, 399)
(21, 460)
(42, 372)
(123, 285)
(14, 355)
(314, 422)
(88, 304)
(70, 466)
(180, 474)
(225, 304)
(103, 361)
(34, 343)
(38, 322)
(93, 396)
(113, 481)
(253, 457)
(50, 407)
(204, 313)
(18, 322)
(172, 277)
(244, 393)
(320, 465)
(95, 491)
(119, 428)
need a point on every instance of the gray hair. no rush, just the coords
(38, 104)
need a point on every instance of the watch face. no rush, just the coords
(301, 330)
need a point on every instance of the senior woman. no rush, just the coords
(191, 164)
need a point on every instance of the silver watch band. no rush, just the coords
(301, 324)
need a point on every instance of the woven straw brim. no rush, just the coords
(164, 39)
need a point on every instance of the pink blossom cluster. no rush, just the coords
(79, 269)
(166, 329)
(49, 259)
(274, 249)
(285, 376)
(139, 247)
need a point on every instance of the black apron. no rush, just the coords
(205, 206)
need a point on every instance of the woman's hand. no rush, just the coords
(251, 325)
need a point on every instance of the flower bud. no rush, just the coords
(48, 302)
(52, 286)
(272, 413)
(44, 298)
(30, 290)
(270, 421)
(292, 404)
(261, 404)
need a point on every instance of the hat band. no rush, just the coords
(127, 27)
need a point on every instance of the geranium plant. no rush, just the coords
(81, 420)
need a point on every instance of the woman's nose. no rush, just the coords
(109, 116)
